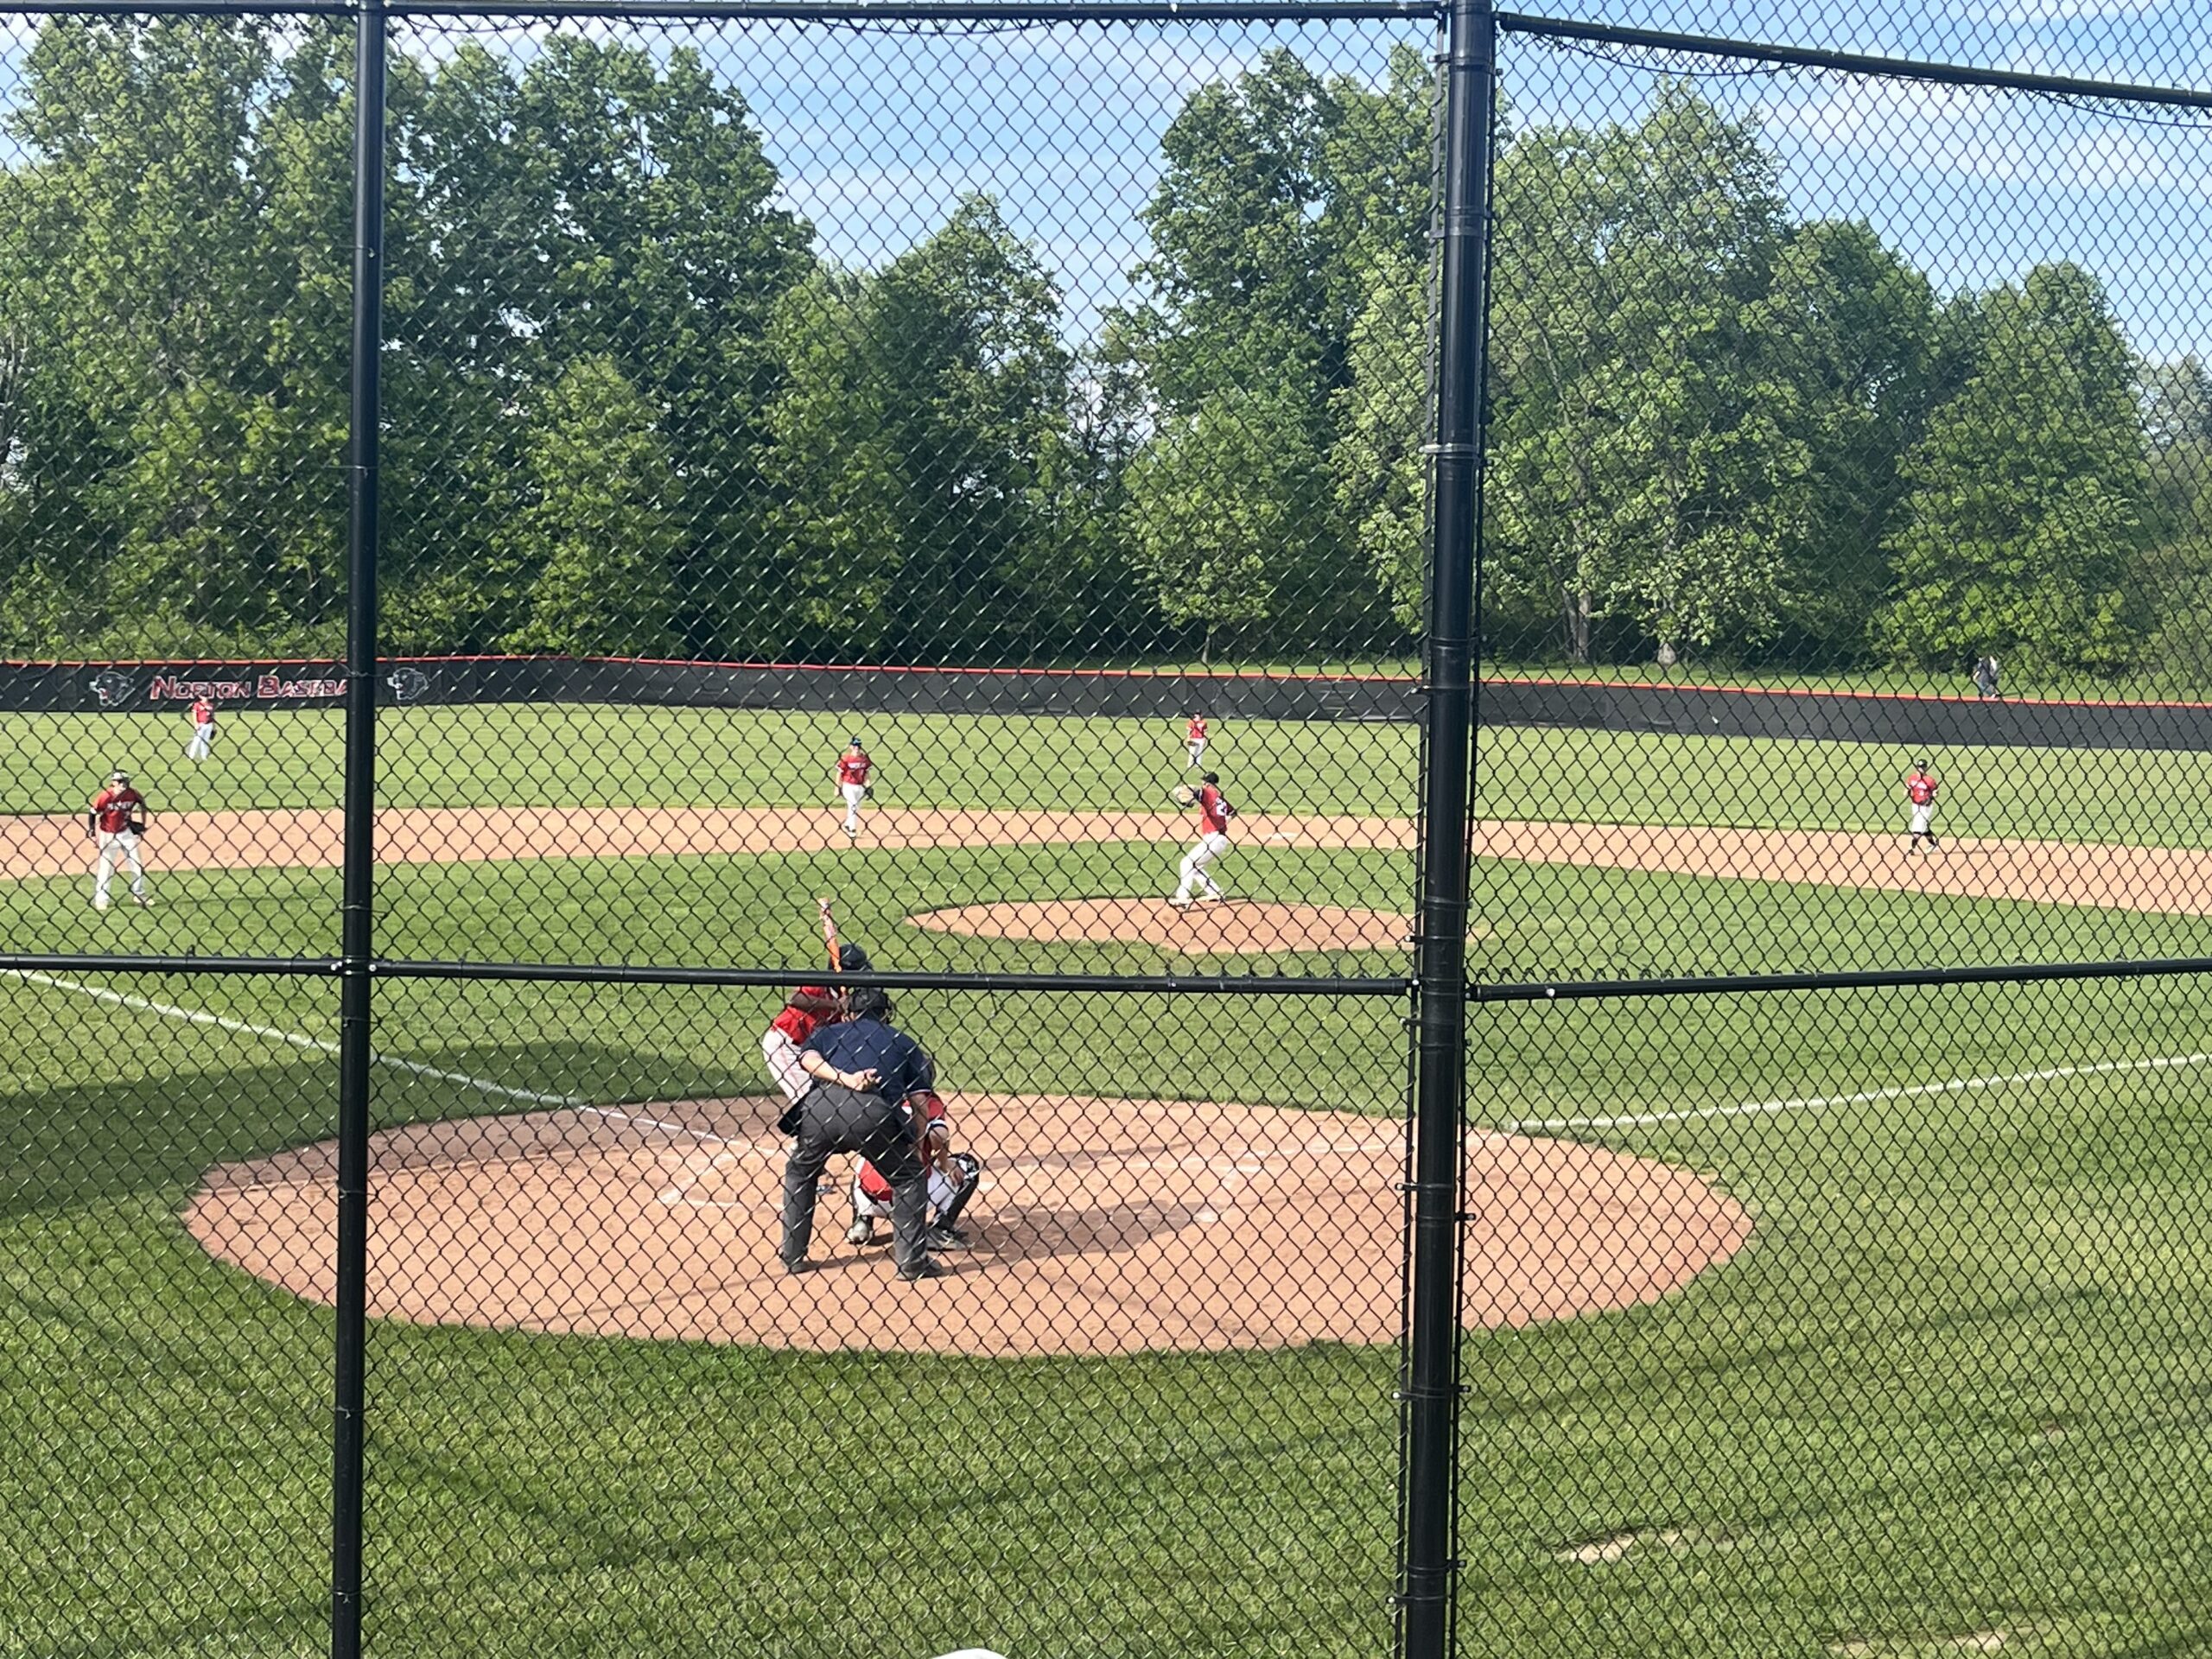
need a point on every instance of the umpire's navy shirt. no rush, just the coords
(857, 1045)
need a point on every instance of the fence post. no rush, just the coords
(357, 939)
(1429, 1412)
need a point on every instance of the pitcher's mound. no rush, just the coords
(1227, 926)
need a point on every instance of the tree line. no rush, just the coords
(631, 409)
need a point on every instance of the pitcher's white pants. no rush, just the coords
(1210, 846)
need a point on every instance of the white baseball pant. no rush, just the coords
(203, 742)
(1210, 846)
(855, 794)
(118, 844)
(782, 1055)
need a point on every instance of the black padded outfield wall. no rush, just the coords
(1686, 711)
(144, 687)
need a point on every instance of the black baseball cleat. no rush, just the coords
(945, 1238)
(925, 1268)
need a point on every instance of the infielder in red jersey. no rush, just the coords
(1214, 813)
(853, 768)
(1920, 788)
(954, 1177)
(203, 731)
(1194, 741)
(117, 815)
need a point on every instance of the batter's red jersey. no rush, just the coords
(113, 807)
(853, 768)
(872, 1186)
(203, 713)
(796, 1023)
(1919, 789)
(1214, 810)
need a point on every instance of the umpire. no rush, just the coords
(864, 1072)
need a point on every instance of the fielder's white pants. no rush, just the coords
(1198, 748)
(118, 844)
(1922, 816)
(1210, 846)
(782, 1055)
(855, 794)
(203, 742)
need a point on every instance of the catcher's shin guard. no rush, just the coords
(950, 1216)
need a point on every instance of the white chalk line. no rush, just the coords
(1907, 1091)
(291, 1039)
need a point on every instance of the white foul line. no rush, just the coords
(1811, 1103)
(295, 1039)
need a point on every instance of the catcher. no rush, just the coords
(115, 821)
(954, 1177)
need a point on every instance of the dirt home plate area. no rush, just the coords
(1103, 1226)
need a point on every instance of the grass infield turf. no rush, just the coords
(1953, 1387)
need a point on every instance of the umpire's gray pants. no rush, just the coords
(832, 1118)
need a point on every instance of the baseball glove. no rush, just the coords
(137, 826)
(1185, 794)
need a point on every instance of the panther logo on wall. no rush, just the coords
(112, 687)
(407, 683)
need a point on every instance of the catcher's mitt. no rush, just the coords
(1185, 794)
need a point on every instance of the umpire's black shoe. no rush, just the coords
(800, 1266)
(922, 1268)
(945, 1238)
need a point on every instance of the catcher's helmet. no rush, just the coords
(852, 959)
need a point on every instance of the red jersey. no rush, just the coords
(203, 713)
(853, 768)
(1920, 789)
(796, 1023)
(115, 807)
(1198, 732)
(872, 1186)
(1214, 810)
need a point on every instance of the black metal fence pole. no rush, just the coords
(1430, 1411)
(357, 939)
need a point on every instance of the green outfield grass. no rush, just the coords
(1955, 1385)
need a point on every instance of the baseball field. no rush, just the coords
(1941, 1390)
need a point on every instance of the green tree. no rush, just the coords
(1647, 467)
(2025, 510)
(1217, 493)
(1852, 331)
(597, 527)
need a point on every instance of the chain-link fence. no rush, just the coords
(721, 732)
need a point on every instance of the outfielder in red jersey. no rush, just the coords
(1214, 813)
(1194, 741)
(117, 815)
(1920, 788)
(954, 1177)
(853, 768)
(203, 730)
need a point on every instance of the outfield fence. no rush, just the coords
(1677, 1128)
